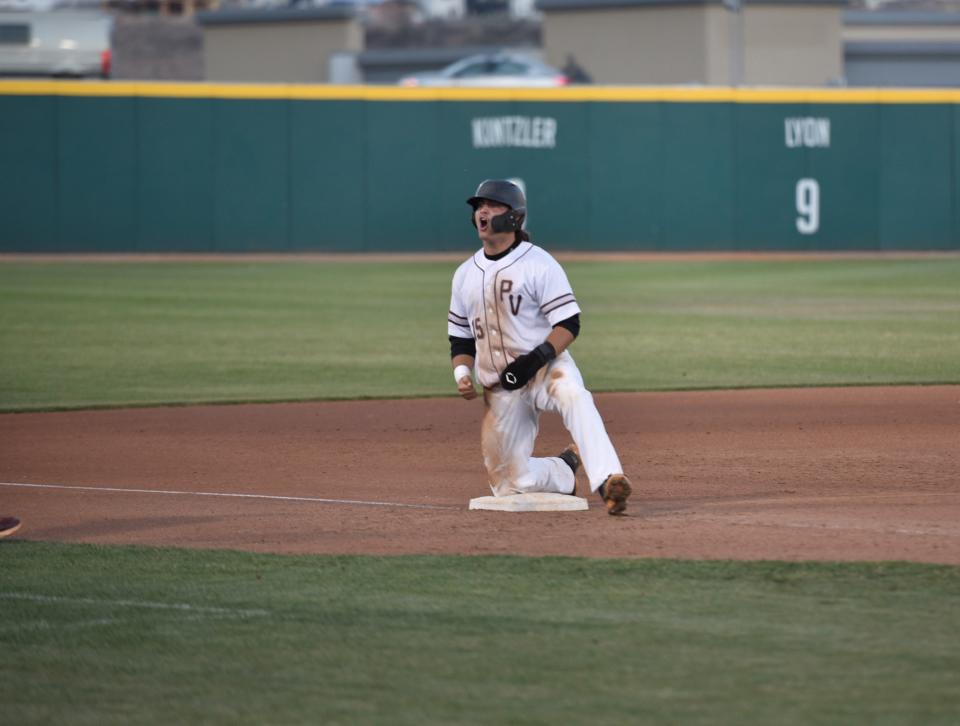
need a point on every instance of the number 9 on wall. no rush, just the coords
(808, 206)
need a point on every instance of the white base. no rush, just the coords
(535, 502)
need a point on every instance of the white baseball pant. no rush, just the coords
(512, 422)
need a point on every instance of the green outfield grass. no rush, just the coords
(93, 635)
(215, 637)
(108, 334)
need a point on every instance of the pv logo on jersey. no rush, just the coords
(505, 287)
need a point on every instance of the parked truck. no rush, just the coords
(57, 43)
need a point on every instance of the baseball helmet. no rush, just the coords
(507, 193)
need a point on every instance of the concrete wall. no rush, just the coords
(781, 42)
(663, 46)
(724, 68)
(287, 46)
(793, 45)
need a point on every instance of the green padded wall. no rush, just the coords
(111, 167)
(177, 180)
(29, 163)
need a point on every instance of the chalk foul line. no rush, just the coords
(274, 497)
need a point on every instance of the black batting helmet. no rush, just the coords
(504, 192)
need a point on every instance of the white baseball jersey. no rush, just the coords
(508, 306)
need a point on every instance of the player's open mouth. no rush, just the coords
(483, 222)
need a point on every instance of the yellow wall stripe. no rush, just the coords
(624, 94)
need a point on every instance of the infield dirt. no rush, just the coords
(786, 474)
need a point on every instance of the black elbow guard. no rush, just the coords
(572, 324)
(462, 346)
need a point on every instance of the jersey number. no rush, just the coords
(478, 329)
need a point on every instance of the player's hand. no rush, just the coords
(465, 388)
(518, 374)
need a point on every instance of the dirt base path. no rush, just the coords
(796, 474)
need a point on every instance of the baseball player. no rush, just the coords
(512, 317)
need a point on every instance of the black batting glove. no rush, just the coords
(518, 374)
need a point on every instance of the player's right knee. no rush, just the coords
(571, 393)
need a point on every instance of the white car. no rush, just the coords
(496, 69)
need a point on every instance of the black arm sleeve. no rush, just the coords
(572, 324)
(462, 346)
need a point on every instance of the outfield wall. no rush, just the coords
(115, 167)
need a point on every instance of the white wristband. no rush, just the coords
(460, 371)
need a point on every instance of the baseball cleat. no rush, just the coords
(571, 457)
(9, 525)
(614, 492)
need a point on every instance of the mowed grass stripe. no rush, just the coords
(86, 334)
(422, 640)
(73, 601)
